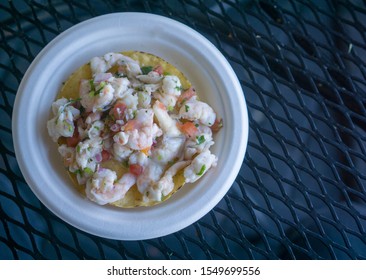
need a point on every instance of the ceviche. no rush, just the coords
(131, 129)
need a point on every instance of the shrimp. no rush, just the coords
(103, 63)
(168, 149)
(63, 122)
(202, 141)
(103, 188)
(151, 174)
(103, 77)
(140, 130)
(193, 109)
(166, 184)
(152, 77)
(95, 97)
(199, 166)
(170, 90)
(166, 122)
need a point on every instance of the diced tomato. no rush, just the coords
(186, 95)
(74, 139)
(189, 129)
(217, 125)
(159, 69)
(131, 125)
(105, 155)
(136, 169)
(119, 110)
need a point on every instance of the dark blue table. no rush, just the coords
(300, 193)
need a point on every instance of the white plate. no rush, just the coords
(180, 45)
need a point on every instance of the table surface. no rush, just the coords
(300, 193)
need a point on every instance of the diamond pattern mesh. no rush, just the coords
(300, 193)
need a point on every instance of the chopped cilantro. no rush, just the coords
(78, 149)
(91, 83)
(196, 125)
(160, 157)
(170, 108)
(88, 170)
(200, 139)
(202, 170)
(179, 88)
(187, 108)
(146, 69)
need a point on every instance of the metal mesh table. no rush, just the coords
(300, 193)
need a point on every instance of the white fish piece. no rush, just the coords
(95, 129)
(166, 123)
(86, 152)
(171, 85)
(166, 184)
(120, 86)
(121, 152)
(169, 149)
(199, 166)
(195, 110)
(63, 122)
(149, 176)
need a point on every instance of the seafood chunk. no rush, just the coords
(199, 166)
(63, 122)
(193, 109)
(104, 188)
